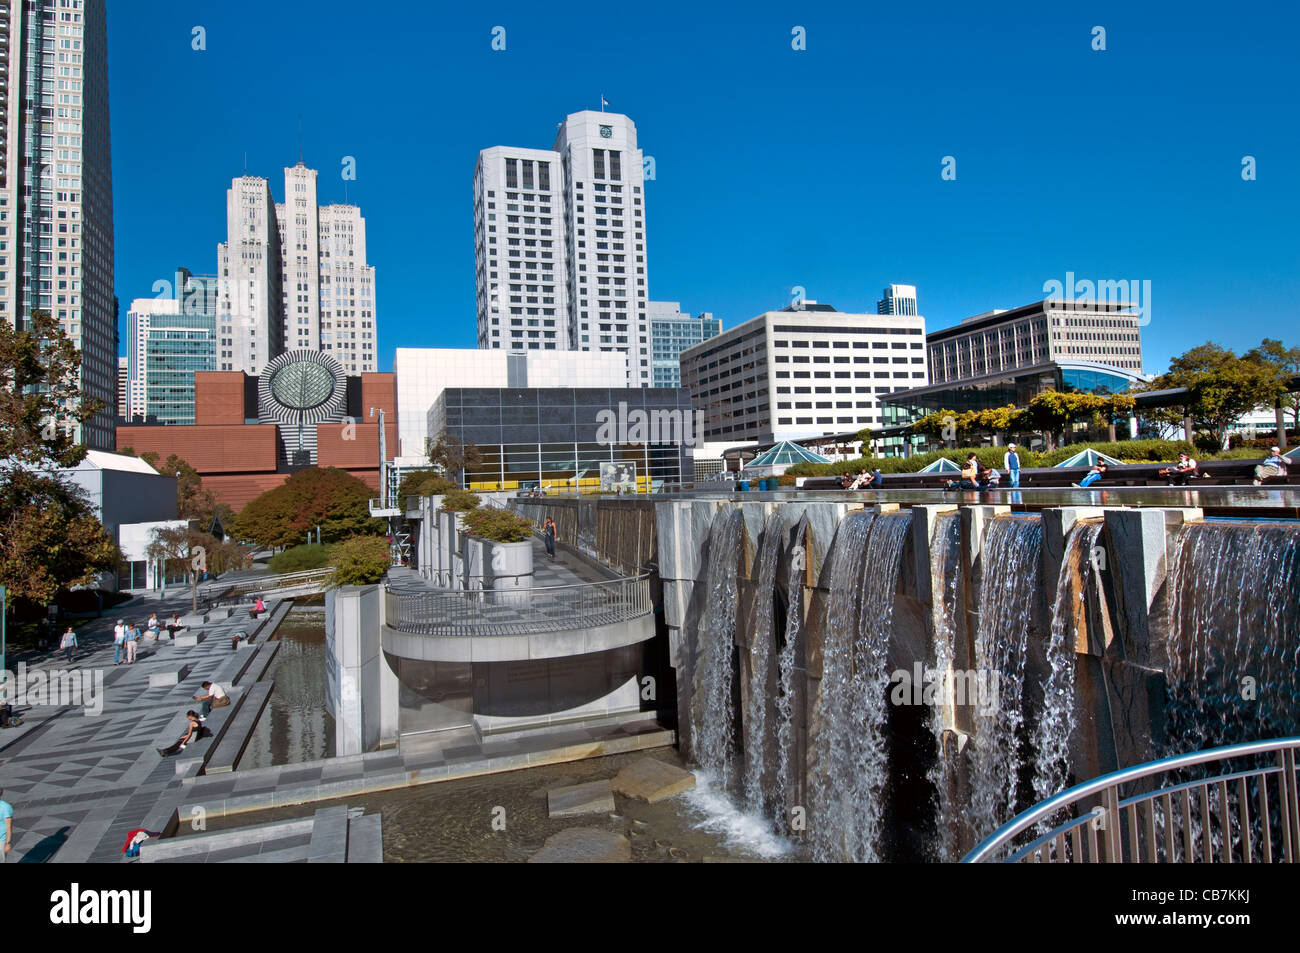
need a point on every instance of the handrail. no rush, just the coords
(1109, 816)
(517, 611)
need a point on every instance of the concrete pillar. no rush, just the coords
(1057, 522)
(1187, 429)
(1133, 427)
(354, 656)
(923, 519)
(1280, 416)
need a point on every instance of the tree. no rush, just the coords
(1285, 362)
(361, 561)
(454, 455)
(193, 500)
(180, 547)
(337, 502)
(50, 538)
(1221, 387)
(423, 483)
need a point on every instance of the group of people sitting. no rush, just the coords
(863, 481)
(127, 635)
(976, 476)
(212, 696)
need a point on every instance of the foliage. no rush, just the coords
(423, 483)
(453, 454)
(196, 553)
(361, 560)
(300, 558)
(460, 501)
(40, 395)
(1285, 363)
(332, 499)
(498, 525)
(1220, 387)
(50, 539)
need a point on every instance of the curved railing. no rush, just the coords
(1243, 809)
(481, 612)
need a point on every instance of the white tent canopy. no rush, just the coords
(1087, 457)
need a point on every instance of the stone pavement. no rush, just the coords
(79, 781)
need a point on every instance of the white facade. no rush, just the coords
(808, 372)
(572, 277)
(423, 373)
(519, 250)
(139, 321)
(294, 276)
(898, 299)
(250, 313)
(56, 185)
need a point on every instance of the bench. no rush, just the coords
(197, 753)
(188, 640)
(169, 677)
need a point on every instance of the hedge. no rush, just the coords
(299, 558)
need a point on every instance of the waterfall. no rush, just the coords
(1010, 572)
(787, 663)
(851, 770)
(712, 712)
(1069, 618)
(1234, 634)
(759, 743)
(945, 589)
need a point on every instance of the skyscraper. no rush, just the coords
(56, 185)
(294, 276)
(899, 300)
(672, 332)
(169, 339)
(578, 283)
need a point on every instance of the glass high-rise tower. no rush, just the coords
(56, 185)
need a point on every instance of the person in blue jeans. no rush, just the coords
(1011, 463)
(6, 828)
(1096, 473)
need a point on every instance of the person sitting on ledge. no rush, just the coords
(1180, 472)
(969, 476)
(214, 696)
(1274, 465)
(877, 479)
(193, 732)
(174, 625)
(1095, 473)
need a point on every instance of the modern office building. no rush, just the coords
(520, 254)
(898, 299)
(672, 332)
(250, 434)
(1008, 357)
(294, 277)
(802, 372)
(423, 373)
(123, 406)
(560, 248)
(633, 438)
(56, 185)
(168, 341)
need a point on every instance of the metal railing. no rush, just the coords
(479, 612)
(1242, 812)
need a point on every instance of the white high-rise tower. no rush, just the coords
(578, 282)
(56, 185)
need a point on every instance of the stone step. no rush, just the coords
(228, 750)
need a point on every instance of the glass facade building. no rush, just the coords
(169, 341)
(565, 438)
(670, 334)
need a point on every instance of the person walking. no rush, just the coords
(132, 637)
(1011, 463)
(6, 828)
(119, 641)
(68, 642)
(1274, 465)
(548, 535)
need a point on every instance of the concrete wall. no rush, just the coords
(361, 688)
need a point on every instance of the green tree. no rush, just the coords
(332, 499)
(195, 552)
(423, 483)
(498, 525)
(1221, 387)
(361, 561)
(1285, 362)
(50, 538)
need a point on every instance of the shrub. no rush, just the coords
(360, 561)
(300, 558)
(498, 526)
(460, 501)
(424, 483)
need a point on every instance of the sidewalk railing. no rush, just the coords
(518, 611)
(1236, 804)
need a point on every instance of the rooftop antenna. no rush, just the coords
(245, 162)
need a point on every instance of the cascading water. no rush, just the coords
(1069, 608)
(1011, 568)
(1234, 634)
(851, 769)
(759, 794)
(712, 714)
(787, 663)
(945, 583)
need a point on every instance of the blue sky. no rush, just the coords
(775, 168)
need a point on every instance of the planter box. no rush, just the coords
(501, 567)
